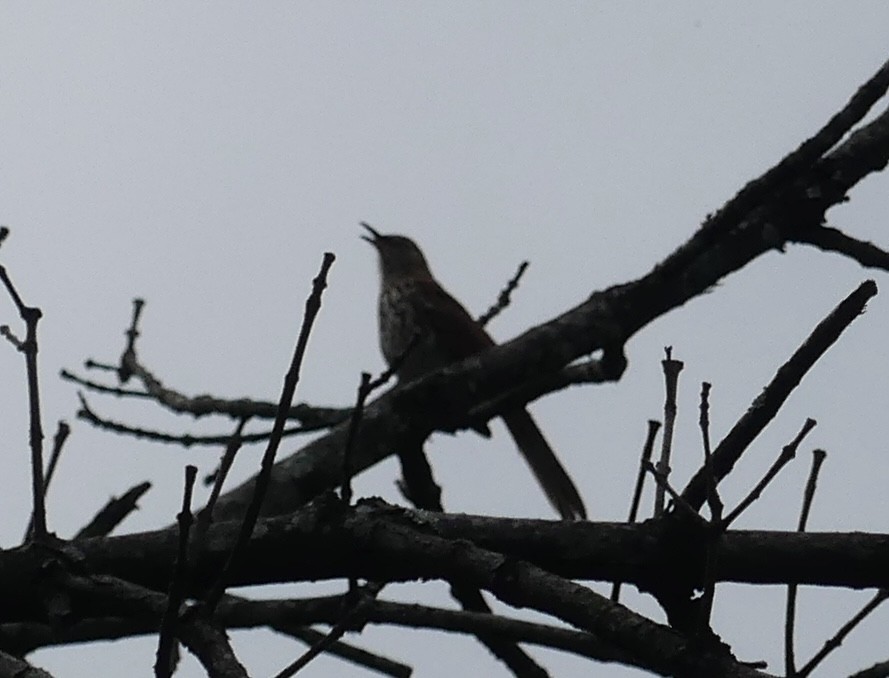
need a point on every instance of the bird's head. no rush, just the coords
(399, 256)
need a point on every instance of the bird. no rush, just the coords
(423, 328)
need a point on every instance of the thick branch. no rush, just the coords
(325, 540)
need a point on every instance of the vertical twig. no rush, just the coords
(31, 315)
(713, 500)
(125, 368)
(164, 659)
(647, 449)
(705, 607)
(313, 305)
(205, 517)
(672, 368)
(364, 389)
(58, 443)
(818, 457)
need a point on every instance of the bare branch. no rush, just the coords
(313, 305)
(505, 296)
(705, 605)
(766, 405)
(186, 440)
(58, 443)
(644, 464)
(713, 500)
(67, 375)
(364, 389)
(313, 418)
(113, 513)
(818, 457)
(756, 192)
(672, 368)
(361, 599)
(788, 452)
(833, 643)
(165, 664)
(31, 315)
(833, 240)
(205, 518)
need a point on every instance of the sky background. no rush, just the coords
(204, 157)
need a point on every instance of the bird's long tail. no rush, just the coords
(553, 478)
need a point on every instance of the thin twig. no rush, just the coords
(788, 452)
(186, 440)
(349, 618)
(713, 500)
(647, 449)
(91, 364)
(672, 368)
(348, 652)
(365, 388)
(124, 370)
(833, 240)
(766, 405)
(58, 443)
(234, 443)
(705, 605)
(833, 643)
(313, 305)
(354, 423)
(392, 370)
(31, 315)
(505, 296)
(205, 517)
(312, 418)
(164, 663)
(113, 512)
(818, 457)
(67, 375)
(6, 331)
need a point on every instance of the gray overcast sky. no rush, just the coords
(204, 156)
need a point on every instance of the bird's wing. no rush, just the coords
(457, 333)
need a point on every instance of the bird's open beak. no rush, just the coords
(373, 232)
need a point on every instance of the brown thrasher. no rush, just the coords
(415, 308)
